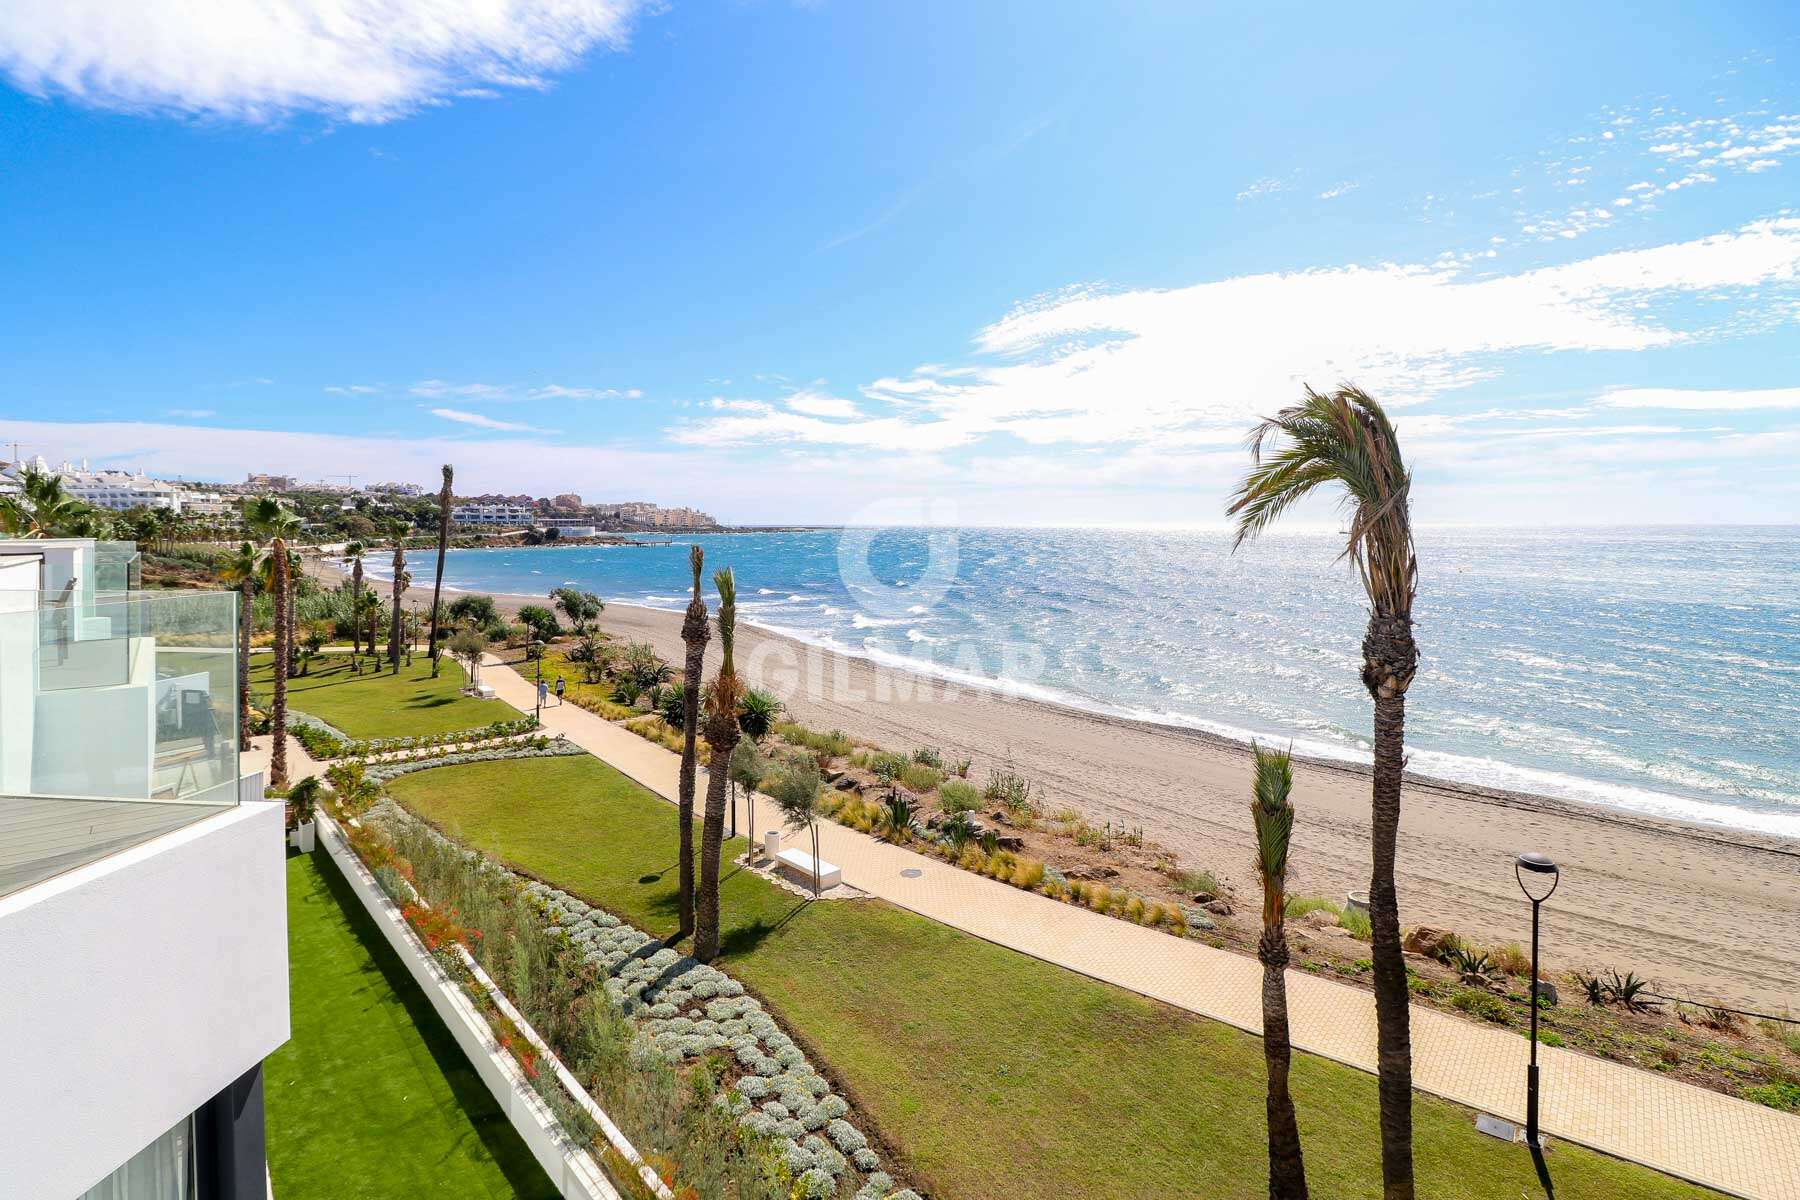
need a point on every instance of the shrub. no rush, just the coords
(961, 767)
(917, 777)
(929, 756)
(1010, 790)
(1198, 879)
(888, 768)
(897, 821)
(1783, 1094)
(1099, 897)
(1027, 873)
(957, 796)
(1357, 922)
(1549, 1037)
(1299, 906)
(1485, 1005)
(836, 743)
(1510, 959)
(957, 831)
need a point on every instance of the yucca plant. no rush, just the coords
(694, 636)
(1272, 814)
(722, 736)
(898, 822)
(1345, 440)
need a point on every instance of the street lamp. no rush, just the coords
(1541, 871)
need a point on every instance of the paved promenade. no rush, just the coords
(1726, 1143)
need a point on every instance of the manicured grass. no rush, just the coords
(371, 1097)
(381, 704)
(993, 1074)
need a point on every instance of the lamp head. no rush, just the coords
(1542, 869)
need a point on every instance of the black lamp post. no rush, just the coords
(1542, 871)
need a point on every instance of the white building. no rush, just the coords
(655, 516)
(574, 527)
(517, 516)
(115, 491)
(143, 926)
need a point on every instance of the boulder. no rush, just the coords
(1218, 908)
(1090, 872)
(999, 817)
(1204, 897)
(1319, 918)
(1425, 940)
(1010, 841)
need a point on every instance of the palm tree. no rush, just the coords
(239, 569)
(42, 509)
(265, 518)
(353, 554)
(1273, 816)
(399, 535)
(694, 635)
(437, 588)
(722, 736)
(1345, 439)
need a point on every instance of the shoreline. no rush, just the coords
(1707, 910)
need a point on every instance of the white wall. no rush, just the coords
(135, 988)
(18, 671)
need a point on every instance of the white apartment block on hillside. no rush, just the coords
(516, 516)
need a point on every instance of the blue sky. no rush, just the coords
(998, 263)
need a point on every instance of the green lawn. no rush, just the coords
(372, 705)
(994, 1074)
(371, 1097)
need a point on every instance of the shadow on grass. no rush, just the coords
(743, 939)
(501, 1140)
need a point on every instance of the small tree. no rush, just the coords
(749, 767)
(581, 608)
(468, 646)
(541, 621)
(310, 645)
(472, 608)
(799, 793)
(592, 652)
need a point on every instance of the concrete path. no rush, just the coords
(1720, 1141)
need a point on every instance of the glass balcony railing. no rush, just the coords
(118, 721)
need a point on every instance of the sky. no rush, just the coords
(996, 263)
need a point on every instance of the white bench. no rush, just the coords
(801, 863)
(485, 691)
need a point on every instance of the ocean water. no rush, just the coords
(1656, 670)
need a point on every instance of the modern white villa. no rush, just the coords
(143, 928)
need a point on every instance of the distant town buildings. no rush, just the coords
(642, 513)
(395, 489)
(502, 514)
(268, 483)
(568, 501)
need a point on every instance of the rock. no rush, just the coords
(999, 817)
(1197, 920)
(1091, 871)
(1425, 940)
(1204, 897)
(832, 777)
(1218, 908)
(1547, 992)
(1320, 918)
(1010, 841)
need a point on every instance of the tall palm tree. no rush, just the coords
(296, 569)
(239, 569)
(722, 736)
(398, 532)
(353, 554)
(694, 634)
(437, 588)
(1345, 439)
(1273, 816)
(266, 518)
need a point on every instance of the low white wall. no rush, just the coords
(135, 988)
(571, 1168)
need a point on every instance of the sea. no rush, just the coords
(1655, 670)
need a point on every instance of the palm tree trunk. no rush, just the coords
(394, 617)
(694, 634)
(722, 734)
(356, 608)
(246, 618)
(293, 619)
(1287, 1168)
(1389, 660)
(278, 776)
(437, 587)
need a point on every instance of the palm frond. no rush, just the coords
(1343, 438)
(1272, 813)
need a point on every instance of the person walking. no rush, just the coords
(559, 690)
(543, 693)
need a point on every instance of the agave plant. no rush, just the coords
(757, 713)
(898, 821)
(957, 831)
(1630, 992)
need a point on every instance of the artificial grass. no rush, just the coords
(991, 1073)
(371, 1097)
(380, 703)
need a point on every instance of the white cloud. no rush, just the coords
(353, 389)
(1703, 399)
(819, 404)
(1264, 187)
(438, 389)
(1192, 365)
(190, 413)
(358, 60)
(483, 422)
(1338, 189)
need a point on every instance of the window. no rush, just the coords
(163, 1170)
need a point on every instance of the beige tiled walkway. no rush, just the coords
(1717, 1140)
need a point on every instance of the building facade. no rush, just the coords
(516, 516)
(143, 920)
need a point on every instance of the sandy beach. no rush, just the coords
(1707, 912)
